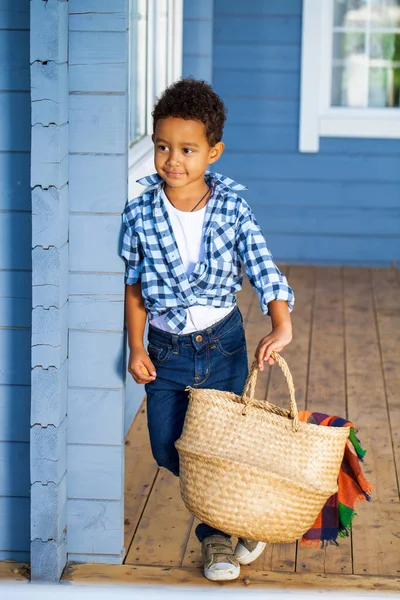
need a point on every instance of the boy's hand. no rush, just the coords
(140, 366)
(276, 340)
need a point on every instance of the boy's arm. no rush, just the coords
(275, 295)
(280, 336)
(139, 360)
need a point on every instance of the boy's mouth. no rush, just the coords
(174, 174)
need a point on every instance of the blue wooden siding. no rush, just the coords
(198, 39)
(98, 191)
(49, 353)
(15, 280)
(340, 206)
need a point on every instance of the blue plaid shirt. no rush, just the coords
(231, 236)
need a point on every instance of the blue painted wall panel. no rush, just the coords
(15, 279)
(15, 524)
(354, 167)
(252, 57)
(14, 66)
(90, 365)
(255, 30)
(90, 409)
(14, 179)
(97, 124)
(12, 255)
(14, 15)
(95, 242)
(309, 220)
(328, 193)
(97, 183)
(14, 469)
(92, 472)
(198, 39)
(340, 206)
(95, 525)
(260, 7)
(15, 402)
(254, 83)
(98, 6)
(96, 61)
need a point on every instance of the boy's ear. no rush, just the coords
(152, 138)
(216, 152)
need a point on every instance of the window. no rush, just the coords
(155, 55)
(137, 70)
(350, 70)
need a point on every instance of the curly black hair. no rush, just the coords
(194, 99)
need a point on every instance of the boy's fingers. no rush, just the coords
(148, 366)
(259, 353)
(141, 374)
(270, 348)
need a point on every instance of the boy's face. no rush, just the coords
(182, 152)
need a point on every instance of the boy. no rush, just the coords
(185, 239)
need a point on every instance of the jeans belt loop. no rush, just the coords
(210, 337)
(175, 345)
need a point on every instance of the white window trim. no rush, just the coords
(141, 153)
(317, 117)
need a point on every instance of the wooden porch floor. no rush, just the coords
(345, 360)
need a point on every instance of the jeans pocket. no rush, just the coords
(159, 352)
(233, 341)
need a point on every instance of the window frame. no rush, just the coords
(140, 155)
(317, 117)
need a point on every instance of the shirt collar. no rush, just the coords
(155, 179)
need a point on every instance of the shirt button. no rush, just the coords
(199, 338)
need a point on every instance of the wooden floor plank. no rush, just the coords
(81, 574)
(393, 399)
(163, 530)
(277, 557)
(377, 540)
(192, 557)
(365, 385)
(326, 393)
(140, 472)
(12, 571)
(282, 557)
(368, 411)
(386, 289)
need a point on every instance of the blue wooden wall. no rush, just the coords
(197, 43)
(50, 249)
(98, 180)
(15, 280)
(340, 206)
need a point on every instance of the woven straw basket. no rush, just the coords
(253, 469)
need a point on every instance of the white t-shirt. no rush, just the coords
(188, 232)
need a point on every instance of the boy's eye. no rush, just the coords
(161, 147)
(187, 150)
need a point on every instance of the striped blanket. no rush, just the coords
(335, 519)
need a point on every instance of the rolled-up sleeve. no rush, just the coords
(131, 253)
(264, 276)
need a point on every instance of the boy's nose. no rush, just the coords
(173, 159)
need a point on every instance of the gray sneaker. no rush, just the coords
(219, 559)
(247, 550)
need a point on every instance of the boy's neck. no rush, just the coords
(187, 194)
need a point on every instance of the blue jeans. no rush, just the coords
(214, 358)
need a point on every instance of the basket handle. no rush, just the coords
(250, 387)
